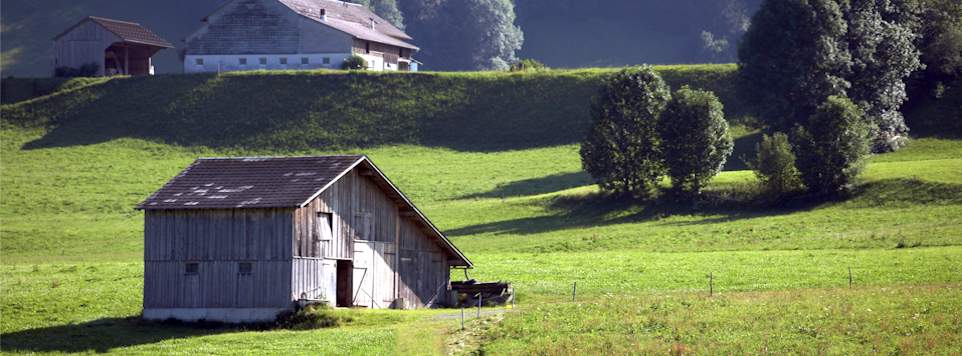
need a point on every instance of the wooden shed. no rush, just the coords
(242, 239)
(115, 47)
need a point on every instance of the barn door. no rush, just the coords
(364, 274)
(374, 264)
(384, 262)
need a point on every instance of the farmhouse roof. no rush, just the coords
(353, 19)
(127, 31)
(273, 182)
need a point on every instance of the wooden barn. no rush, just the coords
(242, 239)
(115, 47)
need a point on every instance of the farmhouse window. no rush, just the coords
(191, 268)
(283, 60)
(326, 60)
(199, 61)
(325, 227)
(245, 268)
(263, 61)
(367, 47)
(242, 61)
(305, 60)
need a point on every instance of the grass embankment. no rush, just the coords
(501, 175)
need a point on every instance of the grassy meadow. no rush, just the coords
(474, 154)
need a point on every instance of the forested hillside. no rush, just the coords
(563, 33)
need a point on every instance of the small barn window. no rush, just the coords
(245, 268)
(283, 60)
(191, 268)
(305, 60)
(199, 61)
(242, 61)
(325, 228)
(327, 60)
(367, 47)
(263, 61)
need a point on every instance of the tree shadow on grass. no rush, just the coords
(721, 205)
(535, 186)
(103, 335)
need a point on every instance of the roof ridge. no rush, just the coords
(113, 20)
(281, 157)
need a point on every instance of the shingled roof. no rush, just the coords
(131, 32)
(353, 19)
(250, 182)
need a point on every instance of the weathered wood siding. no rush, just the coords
(84, 44)
(423, 272)
(314, 278)
(400, 258)
(218, 284)
(218, 240)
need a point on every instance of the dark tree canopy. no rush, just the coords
(799, 52)
(831, 147)
(622, 151)
(460, 35)
(793, 57)
(694, 139)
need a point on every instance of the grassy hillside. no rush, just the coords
(302, 110)
(492, 159)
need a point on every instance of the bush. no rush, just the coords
(621, 151)
(831, 148)
(86, 70)
(354, 62)
(774, 164)
(311, 316)
(528, 65)
(694, 139)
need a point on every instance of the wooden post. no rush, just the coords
(574, 292)
(462, 317)
(711, 283)
(480, 297)
(850, 277)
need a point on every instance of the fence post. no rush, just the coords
(574, 292)
(462, 316)
(850, 277)
(711, 283)
(480, 298)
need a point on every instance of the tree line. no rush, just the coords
(826, 78)
(477, 34)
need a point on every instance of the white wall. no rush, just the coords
(226, 63)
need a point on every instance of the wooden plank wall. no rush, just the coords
(423, 272)
(315, 278)
(218, 240)
(217, 285)
(363, 212)
(82, 45)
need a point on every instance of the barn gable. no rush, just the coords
(291, 182)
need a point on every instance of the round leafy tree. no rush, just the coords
(694, 139)
(621, 151)
(774, 164)
(832, 146)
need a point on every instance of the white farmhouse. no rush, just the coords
(295, 34)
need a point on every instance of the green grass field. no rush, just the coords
(72, 168)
